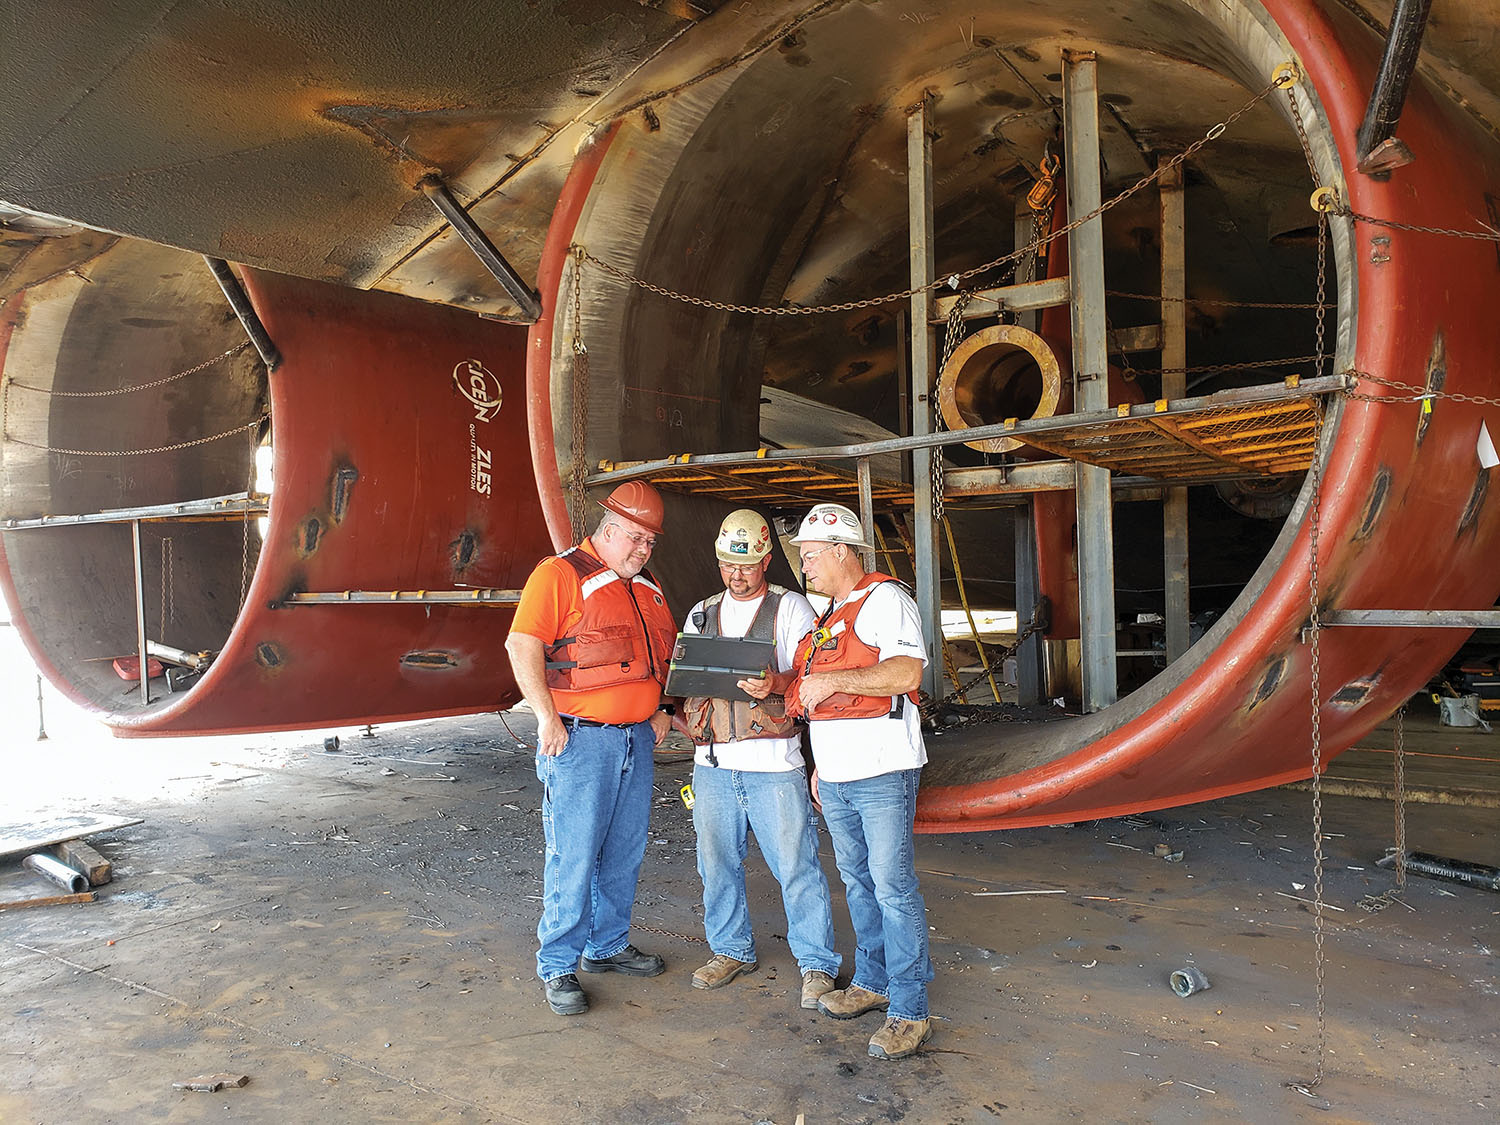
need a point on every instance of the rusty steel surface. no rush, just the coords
(400, 463)
(1238, 715)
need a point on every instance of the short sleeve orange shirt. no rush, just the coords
(551, 605)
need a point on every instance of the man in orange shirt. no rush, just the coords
(589, 647)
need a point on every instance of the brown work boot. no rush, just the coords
(815, 985)
(899, 1038)
(721, 970)
(846, 1003)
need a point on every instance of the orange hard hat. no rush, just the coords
(638, 501)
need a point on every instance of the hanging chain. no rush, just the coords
(140, 386)
(1315, 630)
(245, 523)
(1374, 903)
(1038, 622)
(951, 338)
(140, 452)
(577, 496)
(168, 592)
(951, 280)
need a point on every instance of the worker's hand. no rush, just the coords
(815, 687)
(551, 736)
(812, 783)
(661, 723)
(757, 687)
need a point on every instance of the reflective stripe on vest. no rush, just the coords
(710, 720)
(625, 635)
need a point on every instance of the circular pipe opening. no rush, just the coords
(1000, 372)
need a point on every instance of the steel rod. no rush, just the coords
(1397, 65)
(483, 597)
(1414, 618)
(462, 222)
(234, 504)
(270, 354)
(866, 510)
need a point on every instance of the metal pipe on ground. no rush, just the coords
(1451, 870)
(59, 873)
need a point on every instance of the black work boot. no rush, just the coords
(565, 996)
(630, 961)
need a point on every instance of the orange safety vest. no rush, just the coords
(833, 646)
(711, 720)
(626, 633)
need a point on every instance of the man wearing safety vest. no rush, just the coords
(749, 773)
(856, 675)
(589, 647)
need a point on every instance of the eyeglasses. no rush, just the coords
(739, 568)
(808, 556)
(640, 540)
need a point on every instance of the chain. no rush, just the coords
(1344, 211)
(1245, 365)
(140, 452)
(1039, 620)
(1208, 301)
(139, 387)
(668, 933)
(245, 525)
(1315, 630)
(578, 498)
(168, 593)
(951, 338)
(1414, 392)
(951, 280)
(1374, 903)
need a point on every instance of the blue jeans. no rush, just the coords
(776, 806)
(596, 800)
(870, 821)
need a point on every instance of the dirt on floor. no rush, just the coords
(354, 931)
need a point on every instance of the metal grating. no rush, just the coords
(1263, 430)
(777, 482)
(1270, 438)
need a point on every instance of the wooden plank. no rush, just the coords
(49, 900)
(84, 859)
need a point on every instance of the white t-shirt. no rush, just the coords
(794, 618)
(851, 749)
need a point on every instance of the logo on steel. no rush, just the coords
(481, 388)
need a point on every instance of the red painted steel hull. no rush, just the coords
(367, 384)
(1403, 524)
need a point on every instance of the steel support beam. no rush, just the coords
(235, 504)
(923, 381)
(1414, 618)
(140, 611)
(522, 294)
(1029, 668)
(481, 596)
(1096, 569)
(1174, 516)
(1402, 46)
(270, 354)
(866, 511)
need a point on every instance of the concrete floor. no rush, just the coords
(354, 931)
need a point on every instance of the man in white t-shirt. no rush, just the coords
(857, 671)
(749, 774)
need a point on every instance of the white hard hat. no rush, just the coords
(831, 523)
(744, 537)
